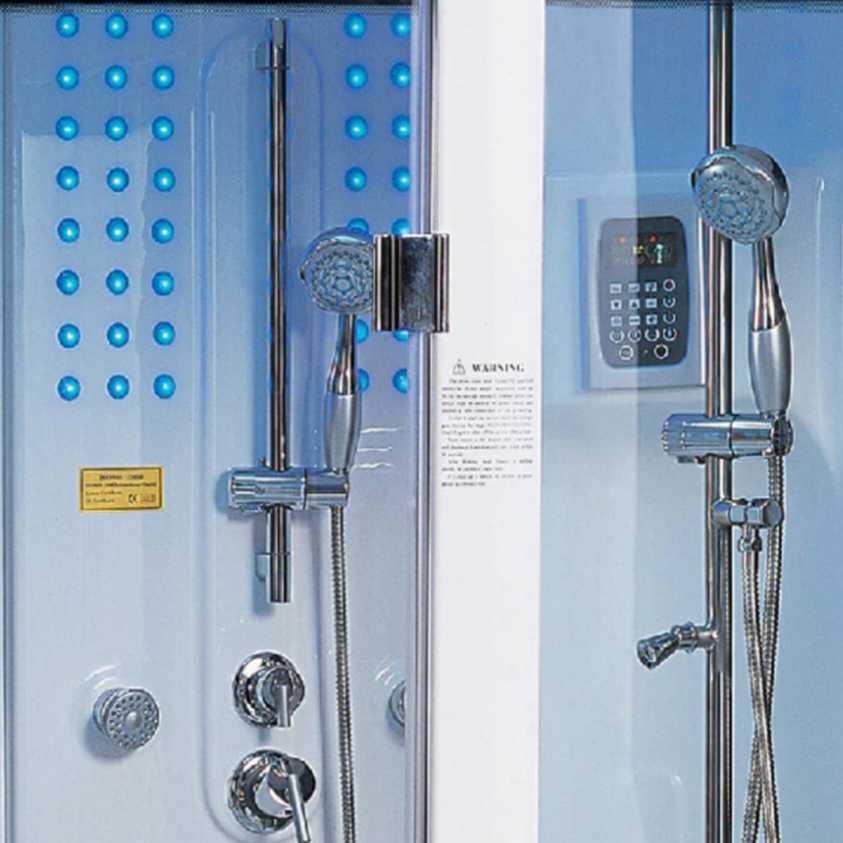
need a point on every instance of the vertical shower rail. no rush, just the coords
(718, 471)
(420, 696)
(278, 567)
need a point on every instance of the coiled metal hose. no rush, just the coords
(763, 676)
(343, 692)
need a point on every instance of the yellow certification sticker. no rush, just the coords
(121, 489)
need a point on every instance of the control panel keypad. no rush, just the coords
(643, 294)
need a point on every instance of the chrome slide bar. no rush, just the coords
(278, 567)
(718, 471)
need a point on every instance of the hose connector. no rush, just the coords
(760, 513)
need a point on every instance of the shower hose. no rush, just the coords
(762, 636)
(342, 679)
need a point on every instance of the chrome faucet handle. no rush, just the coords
(267, 690)
(279, 795)
(268, 792)
(296, 801)
(277, 689)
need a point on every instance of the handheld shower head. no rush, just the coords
(338, 271)
(741, 192)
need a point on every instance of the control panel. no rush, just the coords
(643, 297)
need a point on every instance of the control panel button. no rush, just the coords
(670, 334)
(651, 286)
(634, 321)
(626, 352)
(661, 351)
(669, 318)
(651, 304)
(652, 319)
(651, 334)
(616, 336)
(669, 301)
(635, 335)
(616, 304)
(615, 289)
(634, 304)
(616, 321)
(668, 285)
(633, 287)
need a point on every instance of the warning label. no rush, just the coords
(121, 489)
(487, 425)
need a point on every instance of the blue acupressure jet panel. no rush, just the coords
(109, 155)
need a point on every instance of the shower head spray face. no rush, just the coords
(741, 192)
(338, 271)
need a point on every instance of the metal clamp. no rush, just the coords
(692, 437)
(411, 283)
(259, 489)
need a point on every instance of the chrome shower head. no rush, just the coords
(741, 192)
(338, 270)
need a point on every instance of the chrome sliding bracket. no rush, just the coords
(262, 490)
(692, 437)
(254, 490)
(411, 283)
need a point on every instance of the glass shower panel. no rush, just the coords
(152, 690)
(623, 749)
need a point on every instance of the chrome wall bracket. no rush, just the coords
(411, 283)
(692, 437)
(266, 58)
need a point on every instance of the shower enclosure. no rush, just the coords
(190, 640)
(642, 355)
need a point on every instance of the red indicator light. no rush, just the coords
(652, 238)
(623, 239)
